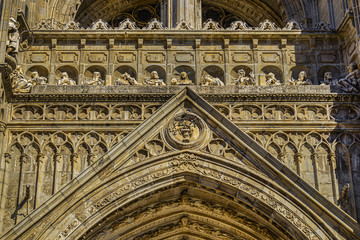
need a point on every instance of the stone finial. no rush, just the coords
(127, 24)
(211, 25)
(100, 25)
(183, 25)
(239, 25)
(293, 25)
(154, 24)
(267, 25)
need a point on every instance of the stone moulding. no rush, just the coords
(156, 25)
(164, 96)
(310, 214)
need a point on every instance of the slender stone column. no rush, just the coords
(176, 11)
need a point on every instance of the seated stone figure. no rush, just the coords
(37, 80)
(243, 79)
(271, 79)
(19, 82)
(96, 79)
(65, 80)
(328, 79)
(302, 79)
(184, 80)
(351, 82)
(211, 81)
(126, 79)
(155, 80)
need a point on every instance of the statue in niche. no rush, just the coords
(126, 79)
(14, 38)
(211, 81)
(184, 80)
(351, 83)
(302, 79)
(95, 80)
(271, 79)
(36, 79)
(19, 82)
(65, 80)
(155, 80)
(242, 79)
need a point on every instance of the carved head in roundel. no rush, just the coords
(186, 130)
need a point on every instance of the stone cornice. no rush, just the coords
(163, 97)
(77, 34)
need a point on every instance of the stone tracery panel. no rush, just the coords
(43, 162)
(82, 112)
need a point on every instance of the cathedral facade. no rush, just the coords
(180, 119)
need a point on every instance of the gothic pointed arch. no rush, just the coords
(253, 12)
(200, 175)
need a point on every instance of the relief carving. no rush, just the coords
(213, 58)
(60, 112)
(279, 112)
(183, 80)
(242, 57)
(246, 112)
(312, 113)
(270, 57)
(184, 58)
(242, 79)
(155, 57)
(125, 57)
(67, 57)
(38, 57)
(97, 57)
(65, 80)
(123, 112)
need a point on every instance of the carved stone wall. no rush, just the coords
(52, 136)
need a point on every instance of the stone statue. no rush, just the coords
(243, 79)
(65, 80)
(19, 82)
(96, 79)
(302, 79)
(36, 79)
(328, 80)
(13, 38)
(351, 83)
(271, 79)
(184, 80)
(211, 81)
(155, 79)
(126, 79)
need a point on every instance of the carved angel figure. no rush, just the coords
(13, 38)
(211, 81)
(351, 83)
(19, 82)
(184, 80)
(271, 79)
(36, 79)
(96, 79)
(126, 79)
(155, 79)
(243, 79)
(302, 79)
(65, 80)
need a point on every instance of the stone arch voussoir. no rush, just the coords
(259, 197)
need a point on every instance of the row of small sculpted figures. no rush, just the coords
(22, 84)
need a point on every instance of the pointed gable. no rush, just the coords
(185, 141)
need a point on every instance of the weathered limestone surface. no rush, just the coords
(184, 119)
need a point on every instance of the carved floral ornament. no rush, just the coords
(155, 24)
(186, 130)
